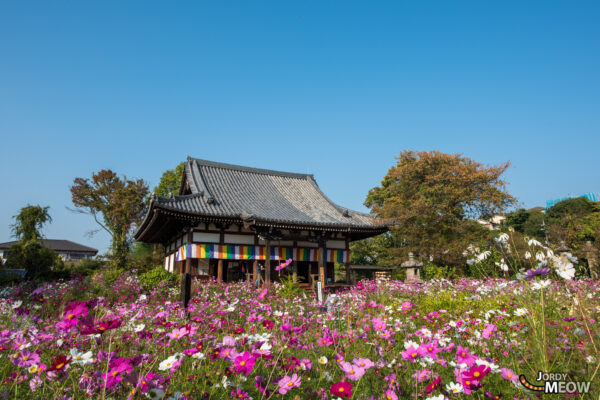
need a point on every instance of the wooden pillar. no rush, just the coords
(322, 265)
(347, 272)
(295, 270)
(220, 271)
(188, 266)
(268, 262)
(254, 270)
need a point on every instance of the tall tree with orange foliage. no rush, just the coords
(432, 200)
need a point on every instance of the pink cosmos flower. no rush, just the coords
(228, 353)
(287, 383)
(27, 359)
(305, 364)
(239, 394)
(464, 357)
(390, 395)
(422, 375)
(364, 363)
(476, 373)
(244, 363)
(431, 349)
(262, 294)
(489, 330)
(378, 324)
(410, 354)
(509, 374)
(353, 372)
(75, 310)
(177, 334)
(283, 265)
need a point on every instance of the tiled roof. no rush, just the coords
(263, 196)
(57, 245)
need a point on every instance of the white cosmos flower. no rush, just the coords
(503, 237)
(167, 364)
(540, 284)
(78, 357)
(566, 270)
(533, 242)
(139, 328)
(519, 312)
(17, 304)
(527, 255)
(483, 255)
(438, 397)
(549, 253)
(540, 256)
(323, 360)
(454, 387)
(155, 393)
(502, 265)
(198, 356)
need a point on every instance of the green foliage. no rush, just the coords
(372, 251)
(8, 278)
(29, 222)
(145, 256)
(573, 222)
(432, 271)
(154, 277)
(530, 222)
(430, 197)
(107, 276)
(170, 181)
(116, 204)
(290, 288)
(444, 300)
(84, 268)
(36, 259)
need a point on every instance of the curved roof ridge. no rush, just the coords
(242, 168)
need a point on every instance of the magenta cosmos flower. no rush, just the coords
(118, 368)
(410, 354)
(244, 363)
(283, 265)
(463, 356)
(341, 389)
(287, 383)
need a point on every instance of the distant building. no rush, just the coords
(590, 196)
(66, 250)
(493, 223)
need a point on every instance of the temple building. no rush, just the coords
(230, 222)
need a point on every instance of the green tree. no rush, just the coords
(574, 222)
(170, 181)
(116, 204)
(528, 222)
(431, 198)
(28, 252)
(29, 222)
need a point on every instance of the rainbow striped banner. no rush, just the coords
(231, 252)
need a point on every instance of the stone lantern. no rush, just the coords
(591, 254)
(563, 249)
(413, 268)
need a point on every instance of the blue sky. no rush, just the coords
(335, 88)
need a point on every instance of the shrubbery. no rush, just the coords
(155, 277)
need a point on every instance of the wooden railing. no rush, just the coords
(312, 279)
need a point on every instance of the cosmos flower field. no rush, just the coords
(433, 340)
